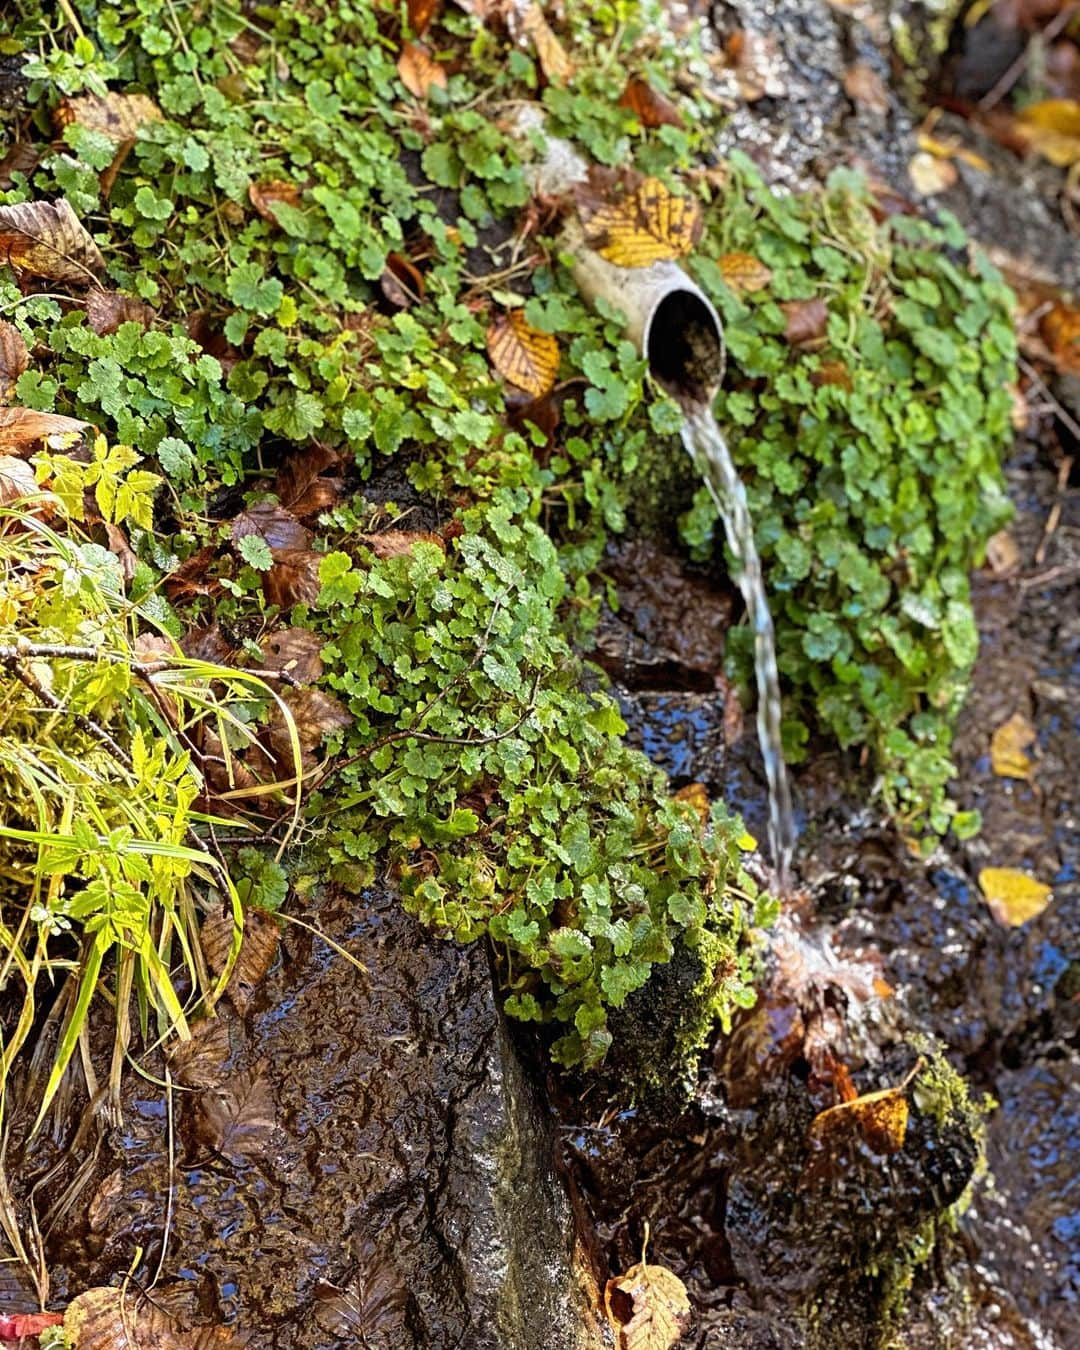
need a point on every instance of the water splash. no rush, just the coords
(708, 449)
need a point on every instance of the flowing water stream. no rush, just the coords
(708, 449)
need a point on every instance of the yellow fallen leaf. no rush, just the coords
(1007, 746)
(1052, 129)
(930, 175)
(647, 1307)
(643, 224)
(695, 795)
(744, 273)
(1014, 897)
(880, 1118)
(522, 354)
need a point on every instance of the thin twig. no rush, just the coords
(1013, 73)
(171, 1142)
(1064, 417)
(22, 651)
(11, 658)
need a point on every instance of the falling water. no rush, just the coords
(708, 449)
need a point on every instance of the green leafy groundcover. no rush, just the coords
(514, 809)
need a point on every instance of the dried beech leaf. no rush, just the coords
(237, 1118)
(16, 479)
(21, 430)
(550, 53)
(522, 354)
(278, 526)
(402, 283)
(106, 1198)
(118, 116)
(305, 485)
(293, 579)
(258, 948)
(23, 157)
(295, 651)
(648, 1308)
(197, 1062)
(112, 1319)
(640, 225)
(192, 576)
(265, 196)
(807, 321)
(46, 239)
(394, 543)
(418, 72)
(744, 273)
(1014, 897)
(649, 107)
(1008, 745)
(14, 358)
(370, 1310)
(107, 310)
(315, 715)
(864, 86)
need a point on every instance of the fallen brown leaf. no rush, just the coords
(258, 947)
(193, 577)
(1002, 554)
(420, 14)
(119, 1319)
(315, 716)
(267, 195)
(47, 239)
(293, 579)
(236, 1118)
(418, 72)
(14, 358)
(118, 116)
(310, 481)
(550, 53)
(394, 543)
(107, 310)
(16, 480)
(197, 1062)
(865, 87)
(295, 651)
(522, 354)
(23, 429)
(807, 321)
(371, 1309)
(23, 157)
(402, 283)
(278, 526)
(1059, 328)
(650, 108)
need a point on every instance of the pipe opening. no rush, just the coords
(684, 347)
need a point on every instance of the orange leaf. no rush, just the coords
(744, 273)
(522, 354)
(1059, 328)
(264, 197)
(420, 14)
(418, 72)
(650, 108)
(46, 239)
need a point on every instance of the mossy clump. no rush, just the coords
(871, 445)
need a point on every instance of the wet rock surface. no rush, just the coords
(391, 1186)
